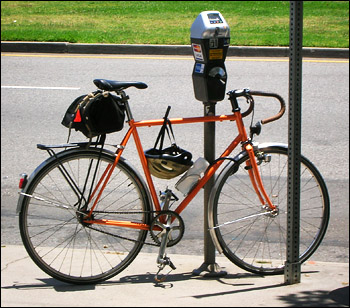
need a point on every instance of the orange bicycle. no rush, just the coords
(85, 212)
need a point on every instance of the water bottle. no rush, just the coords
(192, 176)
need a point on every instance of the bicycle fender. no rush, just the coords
(232, 161)
(269, 145)
(266, 146)
(36, 171)
(64, 152)
(28, 184)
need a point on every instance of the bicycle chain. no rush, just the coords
(122, 237)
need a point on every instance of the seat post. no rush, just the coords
(125, 100)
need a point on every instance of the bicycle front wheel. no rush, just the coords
(52, 210)
(249, 235)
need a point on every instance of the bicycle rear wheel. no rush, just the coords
(254, 238)
(51, 224)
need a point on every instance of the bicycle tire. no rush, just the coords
(246, 233)
(51, 226)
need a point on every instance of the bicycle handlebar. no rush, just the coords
(248, 94)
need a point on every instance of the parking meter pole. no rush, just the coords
(209, 155)
(209, 268)
(210, 38)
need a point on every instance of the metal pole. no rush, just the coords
(209, 268)
(209, 155)
(293, 266)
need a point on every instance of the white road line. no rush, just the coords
(41, 88)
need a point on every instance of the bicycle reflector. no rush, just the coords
(23, 180)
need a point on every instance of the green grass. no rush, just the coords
(252, 23)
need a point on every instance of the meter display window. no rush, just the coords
(214, 18)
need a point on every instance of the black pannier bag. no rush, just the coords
(95, 114)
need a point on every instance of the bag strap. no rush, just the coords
(99, 141)
(86, 98)
(172, 133)
(164, 128)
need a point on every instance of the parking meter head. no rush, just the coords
(210, 38)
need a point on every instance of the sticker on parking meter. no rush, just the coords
(197, 52)
(215, 54)
(199, 68)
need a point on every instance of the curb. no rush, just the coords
(236, 51)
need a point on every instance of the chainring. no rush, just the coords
(164, 220)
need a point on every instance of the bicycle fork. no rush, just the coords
(256, 181)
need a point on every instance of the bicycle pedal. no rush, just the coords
(162, 277)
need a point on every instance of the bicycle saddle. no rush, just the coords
(111, 85)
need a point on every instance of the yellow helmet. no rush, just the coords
(168, 163)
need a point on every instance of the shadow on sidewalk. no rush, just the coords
(148, 278)
(317, 298)
(336, 298)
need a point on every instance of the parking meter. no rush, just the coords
(210, 39)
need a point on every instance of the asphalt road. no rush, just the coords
(37, 90)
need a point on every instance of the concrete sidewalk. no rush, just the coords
(23, 284)
(236, 51)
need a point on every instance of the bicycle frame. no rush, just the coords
(134, 125)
